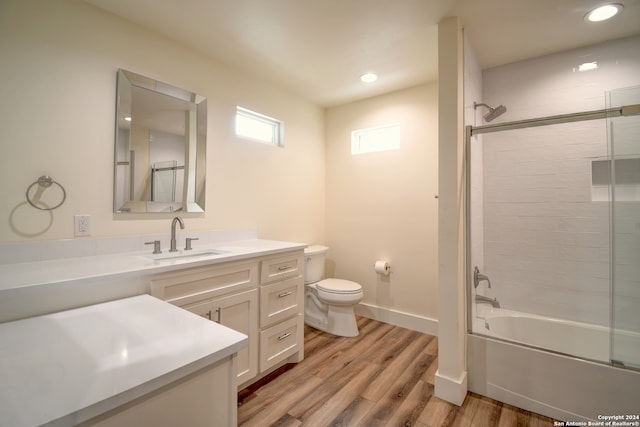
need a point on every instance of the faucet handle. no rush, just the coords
(156, 246)
(187, 246)
(476, 279)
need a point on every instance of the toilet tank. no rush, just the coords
(314, 263)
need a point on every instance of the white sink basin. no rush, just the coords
(181, 254)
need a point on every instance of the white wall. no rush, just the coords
(57, 106)
(546, 243)
(382, 205)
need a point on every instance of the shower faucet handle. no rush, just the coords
(479, 277)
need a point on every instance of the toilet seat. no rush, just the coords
(339, 292)
(339, 286)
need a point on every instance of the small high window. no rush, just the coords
(381, 138)
(258, 127)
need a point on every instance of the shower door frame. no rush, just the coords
(470, 131)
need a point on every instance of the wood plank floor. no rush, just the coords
(383, 377)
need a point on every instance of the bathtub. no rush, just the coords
(549, 366)
(561, 336)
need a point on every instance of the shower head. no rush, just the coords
(493, 112)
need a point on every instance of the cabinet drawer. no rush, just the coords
(281, 300)
(281, 341)
(282, 267)
(195, 284)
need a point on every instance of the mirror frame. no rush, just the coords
(193, 106)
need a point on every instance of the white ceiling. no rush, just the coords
(319, 48)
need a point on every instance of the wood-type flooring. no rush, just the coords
(383, 377)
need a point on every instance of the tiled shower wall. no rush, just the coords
(546, 239)
(626, 214)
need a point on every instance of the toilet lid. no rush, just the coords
(339, 286)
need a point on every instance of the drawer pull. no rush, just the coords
(207, 315)
(284, 267)
(283, 336)
(219, 314)
(285, 294)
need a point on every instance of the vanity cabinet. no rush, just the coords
(226, 294)
(182, 403)
(262, 297)
(281, 309)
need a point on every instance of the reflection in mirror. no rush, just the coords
(159, 148)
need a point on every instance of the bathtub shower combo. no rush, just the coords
(553, 260)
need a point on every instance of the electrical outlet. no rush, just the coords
(82, 225)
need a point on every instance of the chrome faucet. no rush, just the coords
(493, 301)
(173, 232)
(479, 277)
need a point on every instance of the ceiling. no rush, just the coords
(319, 48)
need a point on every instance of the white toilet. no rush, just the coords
(329, 302)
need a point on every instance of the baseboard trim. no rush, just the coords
(398, 318)
(450, 389)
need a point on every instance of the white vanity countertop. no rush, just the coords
(117, 266)
(73, 365)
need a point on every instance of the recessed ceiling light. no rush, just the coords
(369, 77)
(603, 12)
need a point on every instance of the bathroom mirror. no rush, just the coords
(160, 147)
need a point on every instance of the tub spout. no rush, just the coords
(493, 301)
(479, 277)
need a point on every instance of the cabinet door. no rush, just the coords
(238, 312)
(281, 300)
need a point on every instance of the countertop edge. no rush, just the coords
(150, 268)
(216, 348)
(127, 396)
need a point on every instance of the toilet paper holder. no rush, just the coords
(382, 267)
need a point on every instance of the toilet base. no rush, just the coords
(337, 320)
(342, 321)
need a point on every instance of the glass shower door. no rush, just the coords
(163, 185)
(624, 146)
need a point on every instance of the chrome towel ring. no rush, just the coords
(46, 181)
